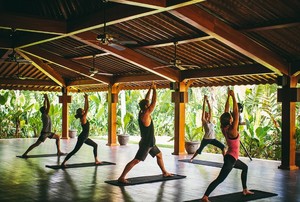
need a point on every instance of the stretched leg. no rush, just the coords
(241, 165)
(226, 169)
(161, 164)
(37, 143)
(78, 145)
(204, 142)
(218, 144)
(95, 150)
(127, 168)
(57, 142)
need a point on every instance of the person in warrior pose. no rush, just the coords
(209, 136)
(229, 127)
(84, 135)
(46, 130)
(147, 142)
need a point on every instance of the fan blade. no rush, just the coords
(159, 67)
(116, 46)
(127, 42)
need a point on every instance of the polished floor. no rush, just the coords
(29, 180)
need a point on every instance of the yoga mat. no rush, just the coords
(145, 179)
(40, 156)
(239, 197)
(202, 162)
(77, 165)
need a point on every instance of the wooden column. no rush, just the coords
(179, 97)
(65, 100)
(288, 95)
(112, 99)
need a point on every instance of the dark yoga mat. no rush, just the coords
(202, 162)
(77, 165)
(145, 179)
(40, 156)
(239, 197)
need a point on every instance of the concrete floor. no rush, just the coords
(29, 179)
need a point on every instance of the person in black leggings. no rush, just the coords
(84, 135)
(229, 126)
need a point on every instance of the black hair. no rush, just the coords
(78, 113)
(143, 103)
(225, 119)
(240, 107)
(43, 109)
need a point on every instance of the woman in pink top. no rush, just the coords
(229, 126)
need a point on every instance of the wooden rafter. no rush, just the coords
(233, 38)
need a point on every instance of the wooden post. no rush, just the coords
(179, 97)
(288, 95)
(112, 99)
(65, 100)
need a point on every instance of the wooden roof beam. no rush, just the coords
(32, 24)
(231, 37)
(44, 68)
(130, 56)
(137, 78)
(226, 71)
(64, 63)
(29, 82)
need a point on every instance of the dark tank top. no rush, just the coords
(85, 129)
(147, 134)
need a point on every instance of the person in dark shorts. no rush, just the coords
(46, 130)
(209, 136)
(84, 135)
(229, 126)
(147, 142)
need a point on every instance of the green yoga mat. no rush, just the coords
(239, 197)
(40, 156)
(202, 162)
(78, 165)
(145, 179)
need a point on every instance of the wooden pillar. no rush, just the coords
(179, 97)
(112, 99)
(288, 95)
(65, 100)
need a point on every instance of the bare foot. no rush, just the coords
(124, 181)
(205, 199)
(63, 165)
(166, 174)
(25, 156)
(191, 160)
(98, 162)
(247, 192)
(60, 153)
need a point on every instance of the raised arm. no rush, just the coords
(227, 102)
(46, 104)
(203, 109)
(153, 100)
(209, 109)
(235, 115)
(86, 105)
(147, 97)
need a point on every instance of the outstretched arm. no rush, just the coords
(209, 109)
(46, 103)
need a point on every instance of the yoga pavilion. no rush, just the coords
(71, 46)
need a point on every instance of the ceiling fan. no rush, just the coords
(18, 75)
(176, 63)
(14, 57)
(93, 70)
(108, 39)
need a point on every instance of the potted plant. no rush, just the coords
(123, 136)
(192, 138)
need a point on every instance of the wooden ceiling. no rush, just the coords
(49, 44)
